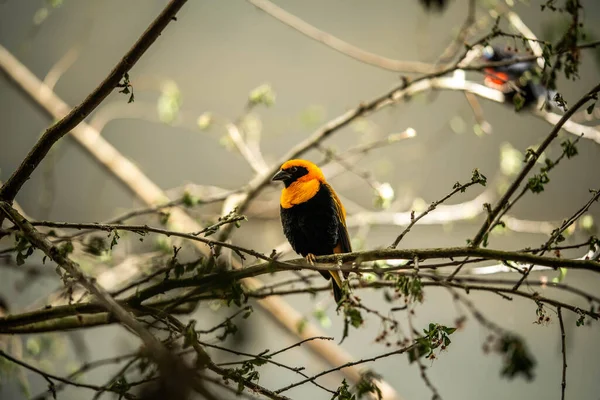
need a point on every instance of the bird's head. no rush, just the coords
(298, 171)
(490, 53)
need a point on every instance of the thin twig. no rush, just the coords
(338, 44)
(432, 206)
(165, 360)
(50, 377)
(533, 157)
(349, 364)
(563, 349)
(298, 344)
(558, 232)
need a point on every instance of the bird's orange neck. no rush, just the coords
(299, 192)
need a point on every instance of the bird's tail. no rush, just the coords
(337, 286)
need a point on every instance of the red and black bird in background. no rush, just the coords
(523, 75)
(312, 215)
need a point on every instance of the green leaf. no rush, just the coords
(562, 273)
(190, 335)
(569, 148)
(590, 108)
(517, 360)
(263, 94)
(518, 101)
(204, 121)
(169, 102)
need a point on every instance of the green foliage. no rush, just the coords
(126, 87)
(65, 249)
(231, 218)
(408, 286)
(537, 182)
(343, 392)
(384, 195)
(367, 385)
(263, 94)
(569, 148)
(245, 373)
(120, 385)
(560, 101)
(189, 200)
(510, 159)
(205, 121)
(352, 317)
(435, 336)
(96, 245)
(581, 320)
(236, 295)
(115, 239)
(169, 102)
(301, 325)
(190, 336)
(566, 31)
(312, 116)
(562, 273)
(23, 248)
(229, 328)
(517, 360)
(518, 101)
(478, 177)
(541, 314)
(321, 316)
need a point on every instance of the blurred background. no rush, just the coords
(203, 67)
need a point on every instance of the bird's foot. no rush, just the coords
(311, 259)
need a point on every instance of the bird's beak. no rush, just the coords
(281, 176)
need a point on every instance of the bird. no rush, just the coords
(312, 216)
(520, 77)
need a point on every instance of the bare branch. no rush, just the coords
(338, 44)
(10, 189)
(563, 383)
(529, 165)
(165, 360)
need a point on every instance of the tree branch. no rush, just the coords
(10, 189)
(339, 45)
(528, 166)
(166, 362)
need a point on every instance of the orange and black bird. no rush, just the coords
(521, 74)
(312, 215)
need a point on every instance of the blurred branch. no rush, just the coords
(165, 360)
(84, 368)
(460, 39)
(254, 158)
(340, 45)
(135, 181)
(10, 189)
(50, 378)
(526, 33)
(574, 128)
(62, 65)
(443, 213)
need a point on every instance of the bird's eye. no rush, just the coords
(293, 169)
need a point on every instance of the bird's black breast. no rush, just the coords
(312, 226)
